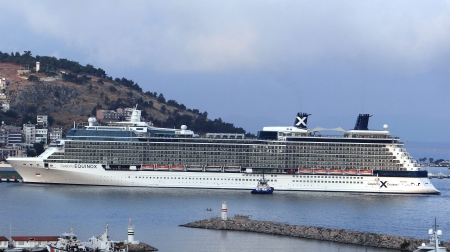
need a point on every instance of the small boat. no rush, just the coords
(102, 243)
(349, 171)
(39, 249)
(67, 242)
(433, 245)
(14, 250)
(336, 171)
(263, 187)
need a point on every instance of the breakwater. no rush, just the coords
(243, 223)
(141, 247)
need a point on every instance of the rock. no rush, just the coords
(141, 247)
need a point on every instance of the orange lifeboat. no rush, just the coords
(162, 167)
(320, 171)
(177, 167)
(365, 172)
(336, 171)
(147, 167)
(350, 171)
(305, 170)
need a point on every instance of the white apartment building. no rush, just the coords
(41, 136)
(42, 121)
(54, 134)
(29, 133)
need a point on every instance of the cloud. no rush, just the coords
(221, 36)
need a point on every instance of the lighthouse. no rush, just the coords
(130, 230)
(224, 210)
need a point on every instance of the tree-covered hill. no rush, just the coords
(68, 91)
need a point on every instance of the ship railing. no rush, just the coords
(342, 136)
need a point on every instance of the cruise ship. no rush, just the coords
(292, 158)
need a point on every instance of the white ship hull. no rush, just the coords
(33, 171)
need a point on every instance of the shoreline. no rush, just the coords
(243, 223)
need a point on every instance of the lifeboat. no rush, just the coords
(177, 167)
(147, 167)
(194, 168)
(350, 172)
(214, 168)
(320, 171)
(232, 168)
(305, 170)
(365, 172)
(291, 171)
(336, 171)
(162, 167)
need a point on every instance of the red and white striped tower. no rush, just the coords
(224, 210)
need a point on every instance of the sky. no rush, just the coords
(258, 63)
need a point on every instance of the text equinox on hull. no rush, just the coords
(293, 158)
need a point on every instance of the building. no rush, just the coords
(6, 152)
(41, 136)
(42, 121)
(4, 242)
(29, 133)
(29, 242)
(14, 136)
(5, 105)
(114, 116)
(109, 115)
(54, 133)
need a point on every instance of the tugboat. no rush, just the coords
(263, 187)
(433, 245)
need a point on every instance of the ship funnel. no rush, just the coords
(135, 116)
(362, 122)
(301, 120)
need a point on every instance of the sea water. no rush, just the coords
(33, 209)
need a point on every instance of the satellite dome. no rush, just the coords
(91, 121)
(183, 127)
(385, 127)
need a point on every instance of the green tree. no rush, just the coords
(31, 152)
(39, 148)
(33, 78)
(161, 98)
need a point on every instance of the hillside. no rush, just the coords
(68, 96)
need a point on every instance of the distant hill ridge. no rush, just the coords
(68, 92)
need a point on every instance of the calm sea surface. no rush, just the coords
(156, 213)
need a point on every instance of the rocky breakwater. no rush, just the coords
(243, 223)
(141, 247)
